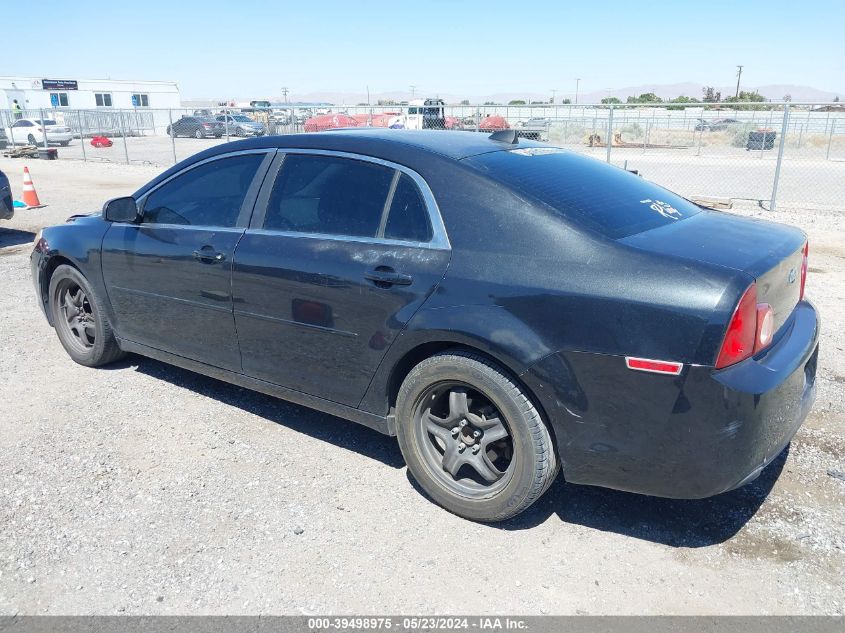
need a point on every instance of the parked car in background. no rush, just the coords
(196, 126)
(505, 307)
(717, 125)
(203, 112)
(241, 125)
(7, 205)
(536, 122)
(31, 132)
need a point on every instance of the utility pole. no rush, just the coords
(577, 81)
(554, 93)
(738, 75)
(413, 90)
(285, 93)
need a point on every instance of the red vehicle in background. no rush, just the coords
(330, 122)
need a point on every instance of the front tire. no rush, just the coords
(199, 134)
(30, 140)
(79, 319)
(472, 438)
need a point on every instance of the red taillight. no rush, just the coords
(741, 336)
(804, 264)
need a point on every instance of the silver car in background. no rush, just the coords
(242, 125)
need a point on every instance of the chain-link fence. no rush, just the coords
(775, 154)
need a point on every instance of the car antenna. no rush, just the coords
(505, 136)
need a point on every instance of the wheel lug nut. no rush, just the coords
(476, 433)
(463, 422)
(461, 447)
(475, 448)
(455, 432)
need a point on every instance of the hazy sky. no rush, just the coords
(248, 48)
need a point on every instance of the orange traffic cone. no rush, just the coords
(30, 197)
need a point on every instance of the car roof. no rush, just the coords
(383, 143)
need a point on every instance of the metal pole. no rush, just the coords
(700, 134)
(645, 134)
(172, 135)
(830, 139)
(781, 145)
(609, 131)
(226, 121)
(81, 134)
(123, 132)
(43, 128)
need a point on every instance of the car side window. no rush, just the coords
(208, 195)
(408, 216)
(329, 195)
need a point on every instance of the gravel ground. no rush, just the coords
(146, 489)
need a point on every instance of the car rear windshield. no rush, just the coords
(585, 191)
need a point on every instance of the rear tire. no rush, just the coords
(472, 438)
(199, 134)
(64, 143)
(31, 140)
(79, 319)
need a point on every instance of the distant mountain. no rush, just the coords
(774, 92)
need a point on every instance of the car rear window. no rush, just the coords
(585, 191)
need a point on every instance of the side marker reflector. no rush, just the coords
(654, 366)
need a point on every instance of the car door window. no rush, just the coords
(208, 195)
(328, 195)
(408, 217)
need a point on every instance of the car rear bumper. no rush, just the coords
(689, 436)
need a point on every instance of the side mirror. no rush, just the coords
(121, 210)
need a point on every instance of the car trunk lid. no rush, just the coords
(770, 253)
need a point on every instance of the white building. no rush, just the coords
(33, 93)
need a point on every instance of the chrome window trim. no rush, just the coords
(439, 239)
(142, 201)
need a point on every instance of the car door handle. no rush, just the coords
(384, 275)
(209, 256)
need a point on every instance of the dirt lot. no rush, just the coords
(143, 488)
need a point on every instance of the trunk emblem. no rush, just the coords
(793, 275)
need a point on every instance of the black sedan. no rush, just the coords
(7, 207)
(196, 126)
(506, 308)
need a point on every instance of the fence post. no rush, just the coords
(609, 131)
(226, 122)
(781, 145)
(700, 134)
(645, 134)
(43, 128)
(123, 133)
(830, 139)
(81, 135)
(171, 134)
